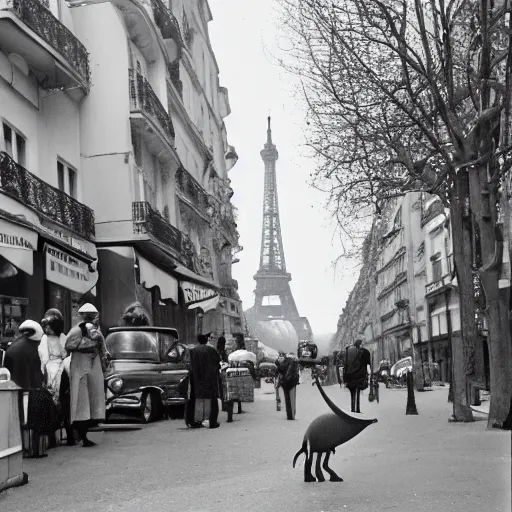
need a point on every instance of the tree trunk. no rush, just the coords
(497, 300)
(462, 345)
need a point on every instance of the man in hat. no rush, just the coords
(88, 358)
(205, 366)
(357, 360)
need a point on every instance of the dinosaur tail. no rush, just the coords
(304, 450)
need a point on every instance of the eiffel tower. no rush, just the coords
(273, 296)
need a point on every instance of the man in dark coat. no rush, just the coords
(355, 375)
(23, 362)
(22, 357)
(289, 379)
(204, 366)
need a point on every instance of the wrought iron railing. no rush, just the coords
(23, 186)
(188, 186)
(166, 21)
(143, 99)
(148, 220)
(36, 16)
(174, 74)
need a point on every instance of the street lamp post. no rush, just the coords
(411, 409)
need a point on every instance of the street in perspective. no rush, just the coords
(255, 255)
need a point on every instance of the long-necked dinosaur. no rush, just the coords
(324, 435)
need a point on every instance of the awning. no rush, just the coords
(69, 272)
(17, 245)
(206, 305)
(185, 272)
(151, 275)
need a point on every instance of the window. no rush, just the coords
(398, 219)
(436, 270)
(66, 179)
(15, 145)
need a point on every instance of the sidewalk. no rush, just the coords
(402, 464)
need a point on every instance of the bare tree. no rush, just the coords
(416, 96)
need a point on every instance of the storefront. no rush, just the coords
(205, 302)
(20, 277)
(40, 269)
(70, 280)
(444, 324)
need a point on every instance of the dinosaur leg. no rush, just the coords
(318, 470)
(308, 475)
(332, 474)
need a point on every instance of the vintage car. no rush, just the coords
(148, 372)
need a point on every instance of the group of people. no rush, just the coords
(61, 378)
(206, 388)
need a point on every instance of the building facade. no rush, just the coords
(117, 106)
(47, 250)
(409, 299)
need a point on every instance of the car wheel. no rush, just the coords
(149, 406)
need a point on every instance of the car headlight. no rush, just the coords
(116, 385)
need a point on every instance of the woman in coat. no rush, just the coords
(55, 368)
(88, 360)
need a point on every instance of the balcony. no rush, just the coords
(174, 75)
(192, 190)
(149, 116)
(50, 49)
(146, 220)
(166, 22)
(22, 186)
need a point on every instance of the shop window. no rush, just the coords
(12, 313)
(15, 145)
(66, 179)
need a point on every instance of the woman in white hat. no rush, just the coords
(88, 355)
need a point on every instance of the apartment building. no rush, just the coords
(116, 105)
(47, 228)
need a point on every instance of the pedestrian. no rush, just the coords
(205, 377)
(355, 375)
(88, 361)
(221, 348)
(38, 411)
(135, 316)
(52, 353)
(289, 379)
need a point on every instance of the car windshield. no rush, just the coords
(133, 345)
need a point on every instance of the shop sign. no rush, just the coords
(432, 287)
(68, 271)
(195, 292)
(70, 240)
(15, 242)
(17, 245)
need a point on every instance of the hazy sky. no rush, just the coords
(245, 36)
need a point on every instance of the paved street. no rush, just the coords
(404, 463)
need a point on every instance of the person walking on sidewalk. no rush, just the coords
(205, 377)
(357, 360)
(88, 361)
(289, 379)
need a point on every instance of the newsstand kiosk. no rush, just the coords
(11, 451)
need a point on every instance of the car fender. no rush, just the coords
(155, 388)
